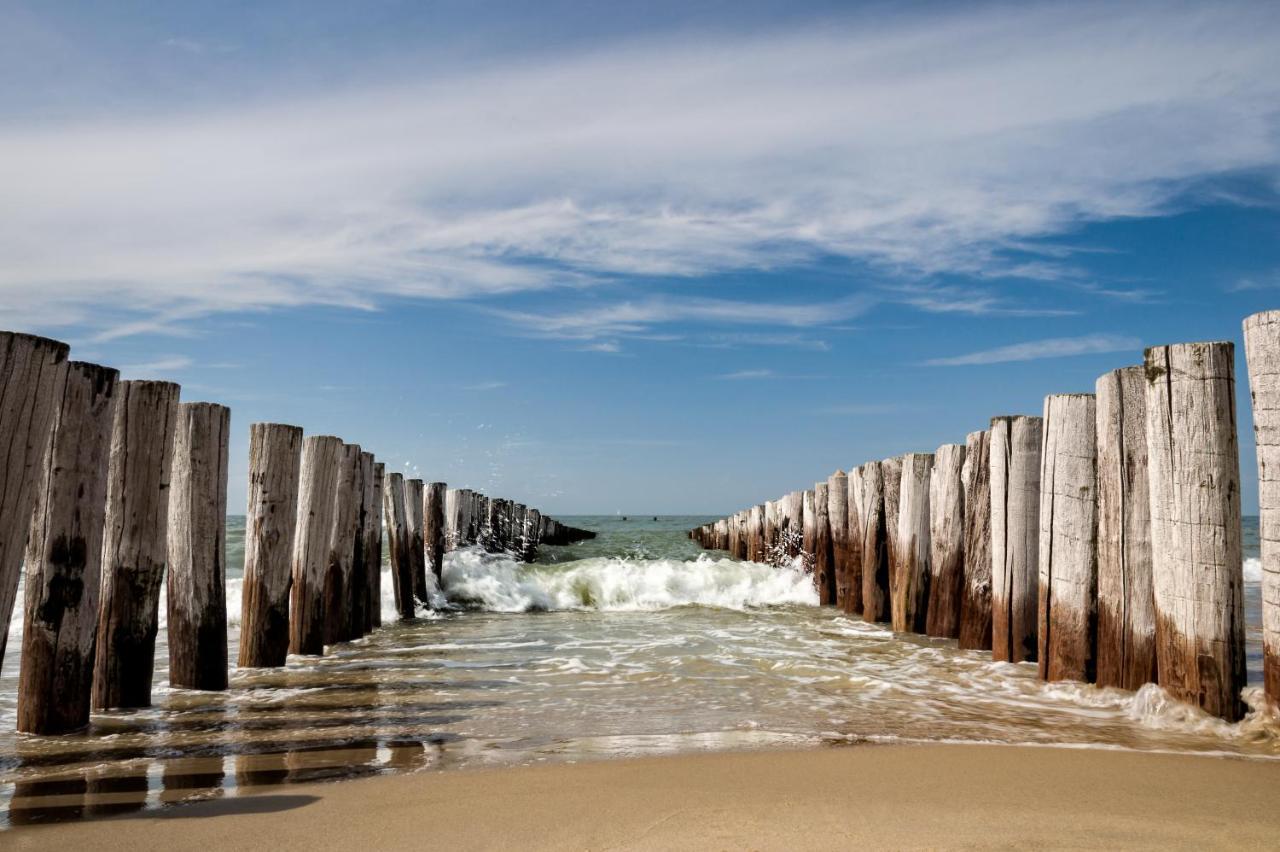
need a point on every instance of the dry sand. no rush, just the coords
(881, 796)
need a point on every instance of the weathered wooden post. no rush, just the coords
(464, 516)
(343, 531)
(809, 537)
(1068, 563)
(1262, 349)
(946, 541)
(891, 473)
(310, 563)
(911, 600)
(770, 533)
(875, 546)
(397, 519)
(734, 533)
(435, 528)
(413, 502)
(755, 534)
(64, 556)
(368, 560)
(452, 535)
(722, 534)
(838, 521)
(1197, 571)
(975, 605)
(1015, 537)
(823, 558)
(134, 544)
(197, 543)
(795, 525)
(271, 517)
(854, 531)
(532, 537)
(374, 551)
(32, 370)
(1126, 604)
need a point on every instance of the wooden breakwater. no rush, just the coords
(112, 490)
(1099, 538)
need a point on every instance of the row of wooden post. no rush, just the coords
(1101, 540)
(108, 487)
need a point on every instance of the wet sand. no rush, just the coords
(928, 796)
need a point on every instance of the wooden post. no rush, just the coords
(770, 534)
(134, 544)
(342, 542)
(271, 517)
(755, 534)
(1262, 349)
(809, 536)
(946, 541)
(853, 541)
(891, 473)
(375, 543)
(368, 560)
(911, 600)
(452, 537)
(875, 546)
(722, 534)
(64, 556)
(533, 524)
(795, 524)
(735, 534)
(434, 528)
(823, 558)
(1126, 602)
(32, 371)
(397, 519)
(838, 520)
(1015, 528)
(413, 502)
(197, 543)
(318, 480)
(1068, 564)
(1197, 571)
(975, 605)
(464, 516)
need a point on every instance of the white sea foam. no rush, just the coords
(500, 584)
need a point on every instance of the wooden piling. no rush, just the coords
(975, 604)
(891, 474)
(809, 536)
(533, 523)
(318, 480)
(794, 528)
(271, 516)
(1067, 587)
(397, 523)
(1015, 537)
(823, 557)
(853, 547)
(838, 519)
(911, 600)
(414, 500)
(1197, 570)
(197, 540)
(1126, 653)
(32, 372)
(368, 563)
(64, 555)
(946, 541)
(1262, 349)
(134, 547)
(342, 542)
(755, 534)
(875, 546)
(374, 551)
(770, 533)
(434, 528)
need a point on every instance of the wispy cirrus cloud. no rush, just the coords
(672, 156)
(1053, 347)
(741, 375)
(161, 366)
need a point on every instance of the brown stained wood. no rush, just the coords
(310, 563)
(32, 372)
(793, 530)
(1015, 537)
(64, 556)
(823, 558)
(413, 503)
(1068, 562)
(373, 549)
(1126, 602)
(755, 534)
(875, 546)
(853, 546)
(838, 519)
(911, 598)
(397, 524)
(771, 532)
(1262, 348)
(891, 475)
(435, 528)
(1197, 571)
(975, 604)
(946, 541)
(464, 522)
(721, 535)
(343, 531)
(365, 559)
(271, 517)
(197, 544)
(135, 542)
(809, 536)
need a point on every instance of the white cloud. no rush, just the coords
(485, 386)
(1053, 347)
(160, 366)
(922, 144)
(749, 374)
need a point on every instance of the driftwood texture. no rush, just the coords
(64, 556)
(975, 605)
(838, 519)
(363, 561)
(197, 541)
(1262, 348)
(397, 521)
(339, 577)
(823, 558)
(911, 597)
(1015, 535)
(875, 546)
(1126, 603)
(413, 502)
(374, 544)
(853, 544)
(134, 545)
(946, 541)
(1197, 573)
(1068, 581)
(435, 528)
(321, 455)
(891, 475)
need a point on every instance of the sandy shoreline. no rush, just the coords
(887, 796)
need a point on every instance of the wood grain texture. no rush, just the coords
(793, 529)
(809, 536)
(875, 546)
(317, 482)
(946, 541)
(397, 525)
(1262, 348)
(1197, 571)
(853, 545)
(1068, 562)
(838, 521)
(414, 490)
(343, 535)
(975, 606)
(368, 556)
(434, 526)
(823, 558)
(375, 543)
(64, 556)
(1015, 534)
(911, 598)
(135, 542)
(891, 475)
(1126, 602)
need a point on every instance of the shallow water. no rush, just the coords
(634, 643)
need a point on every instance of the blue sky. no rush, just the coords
(611, 257)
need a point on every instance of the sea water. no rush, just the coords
(634, 643)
